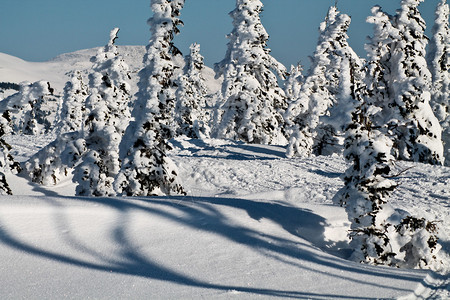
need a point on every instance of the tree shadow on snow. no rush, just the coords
(233, 150)
(300, 224)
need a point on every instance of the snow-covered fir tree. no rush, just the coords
(379, 235)
(366, 191)
(402, 82)
(293, 83)
(73, 106)
(7, 162)
(439, 64)
(253, 102)
(191, 115)
(34, 109)
(146, 168)
(56, 160)
(378, 74)
(308, 129)
(106, 122)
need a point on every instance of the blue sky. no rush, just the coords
(37, 30)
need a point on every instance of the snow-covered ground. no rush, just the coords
(254, 225)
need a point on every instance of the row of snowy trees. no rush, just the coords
(377, 110)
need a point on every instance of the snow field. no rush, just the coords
(254, 225)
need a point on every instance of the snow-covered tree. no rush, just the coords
(7, 162)
(73, 106)
(106, 122)
(366, 191)
(419, 133)
(379, 234)
(293, 83)
(308, 129)
(190, 114)
(400, 81)
(56, 160)
(378, 75)
(439, 64)
(34, 109)
(253, 102)
(146, 169)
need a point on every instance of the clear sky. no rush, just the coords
(38, 30)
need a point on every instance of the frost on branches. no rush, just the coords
(146, 169)
(7, 162)
(308, 125)
(191, 115)
(253, 102)
(106, 122)
(73, 109)
(439, 64)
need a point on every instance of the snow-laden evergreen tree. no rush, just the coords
(56, 160)
(106, 122)
(191, 115)
(308, 129)
(378, 75)
(366, 191)
(293, 83)
(253, 102)
(73, 106)
(439, 64)
(379, 235)
(34, 109)
(419, 137)
(146, 169)
(7, 162)
(401, 81)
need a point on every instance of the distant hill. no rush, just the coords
(57, 70)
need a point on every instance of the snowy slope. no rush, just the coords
(254, 225)
(57, 70)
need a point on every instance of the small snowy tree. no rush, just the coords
(106, 122)
(42, 116)
(34, 109)
(190, 114)
(56, 160)
(308, 129)
(439, 63)
(7, 162)
(253, 102)
(73, 106)
(293, 83)
(146, 169)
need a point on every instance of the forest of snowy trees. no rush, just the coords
(391, 105)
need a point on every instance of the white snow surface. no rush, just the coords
(255, 225)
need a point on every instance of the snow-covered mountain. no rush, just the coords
(57, 70)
